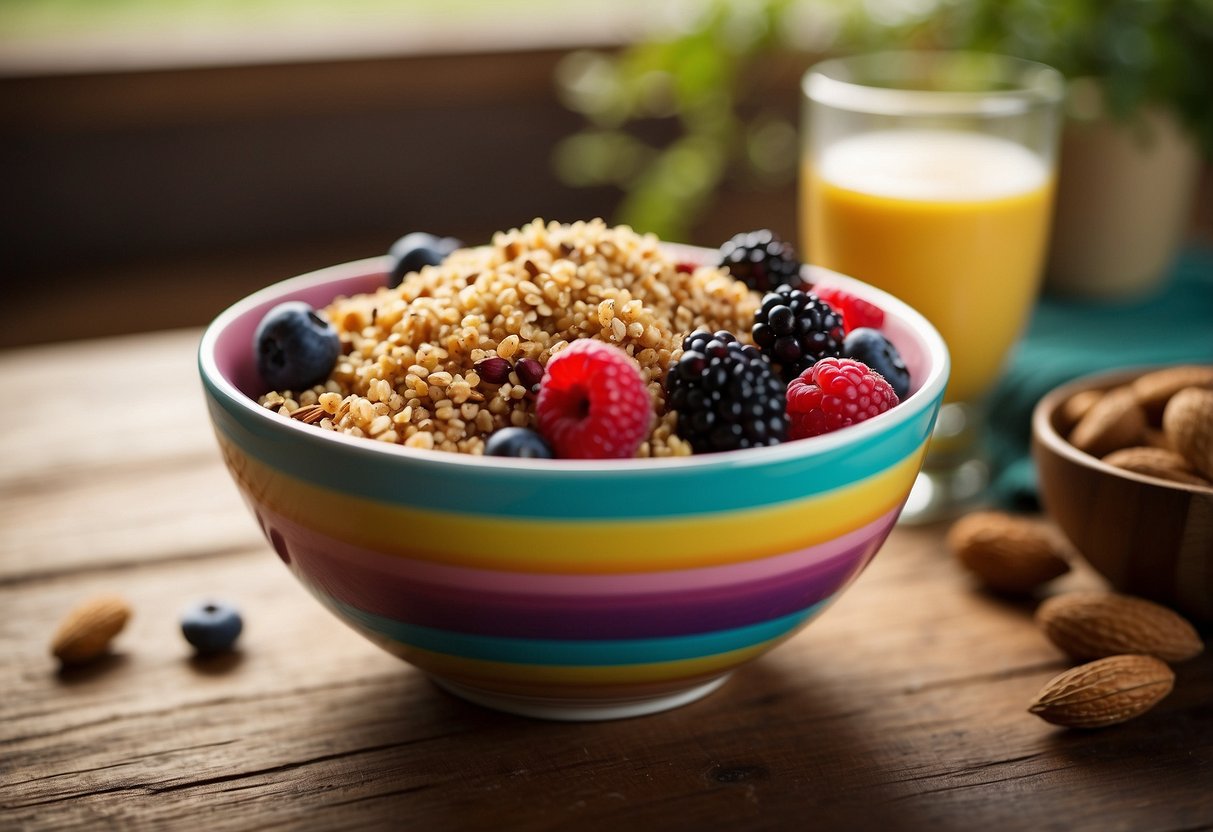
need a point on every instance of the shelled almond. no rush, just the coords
(1095, 625)
(1104, 692)
(1187, 421)
(1007, 553)
(1129, 427)
(86, 631)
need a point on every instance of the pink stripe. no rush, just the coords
(572, 584)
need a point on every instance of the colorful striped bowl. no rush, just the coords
(568, 589)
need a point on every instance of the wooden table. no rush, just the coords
(902, 708)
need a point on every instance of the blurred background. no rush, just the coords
(162, 158)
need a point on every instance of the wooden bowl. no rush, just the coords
(1148, 537)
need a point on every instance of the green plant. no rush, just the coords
(1138, 51)
(690, 89)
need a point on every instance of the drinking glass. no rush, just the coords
(931, 175)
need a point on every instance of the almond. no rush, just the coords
(1092, 625)
(1188, 423)
(1115, 421)
(1007, 553)
(1104, 692)
(1074, 408)
(86, 631)
(1155, 438)
(1154, 388)
(1156, 462)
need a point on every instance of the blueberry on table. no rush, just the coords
(518, 442)
(211, 626)
(417, 249)
(296, 348)
(875, 350)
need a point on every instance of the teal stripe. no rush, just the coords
(570, 651)
(733, 483)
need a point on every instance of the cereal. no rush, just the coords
(414, 357)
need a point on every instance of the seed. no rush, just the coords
(530, 373)
(494, 370)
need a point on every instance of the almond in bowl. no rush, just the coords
(1129, 479)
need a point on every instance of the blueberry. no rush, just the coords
(295, 347)
(519, 442)
(417, 249)
(875, 350)
(211, 626)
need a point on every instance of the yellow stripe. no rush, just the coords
(472, 670)
(572, 546)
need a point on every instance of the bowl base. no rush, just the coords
(573, 710)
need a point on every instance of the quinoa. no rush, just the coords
(407, 373)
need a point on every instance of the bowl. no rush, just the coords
(1147, 536)
(568, 589)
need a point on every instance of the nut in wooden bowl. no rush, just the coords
(1143, 520)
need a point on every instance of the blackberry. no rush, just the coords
(726, 395)
(761, 260)
(795, 330)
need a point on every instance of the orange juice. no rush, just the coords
(953, 223)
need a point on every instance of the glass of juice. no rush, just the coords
(930, 175)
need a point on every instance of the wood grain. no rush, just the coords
(903, 707)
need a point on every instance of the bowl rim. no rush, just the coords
(1044, 432)
(929, 390)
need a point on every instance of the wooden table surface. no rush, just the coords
(903, 707)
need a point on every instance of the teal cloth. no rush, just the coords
(1069, 338)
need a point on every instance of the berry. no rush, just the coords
(795, 330)
(875, 350)
(593, 402)
(835, 393)
(295, 347)
(856, 312)
(727, 395)
(761, 260)
(417, 249)
(523, 443)
(211, 626)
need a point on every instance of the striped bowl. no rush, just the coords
(568, 589)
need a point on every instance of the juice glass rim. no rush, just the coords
(1016, 85)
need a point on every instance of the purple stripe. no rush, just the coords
(637, 615)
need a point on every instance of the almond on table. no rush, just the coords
(1094, 625)
(87, 630)
(1104, 692)
(1007, 553)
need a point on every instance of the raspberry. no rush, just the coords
(856, 312)
(835, 393)
(727, 395)
(761, 260)
(593, 402)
